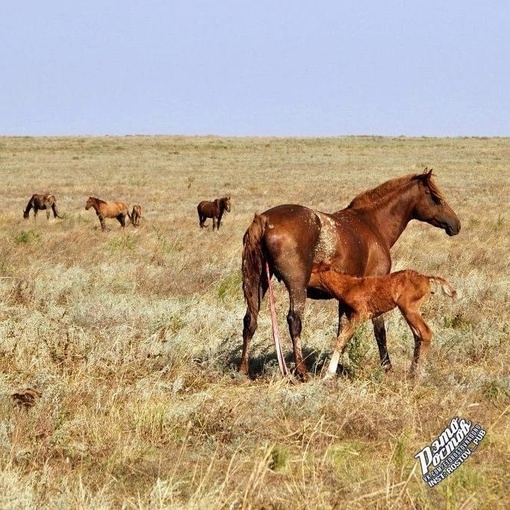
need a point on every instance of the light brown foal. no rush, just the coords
(363, 298)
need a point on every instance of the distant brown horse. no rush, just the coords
(355, 240)
(104, 210)
(136, 215)
(213, 210)
(42, 202)
(364, 298)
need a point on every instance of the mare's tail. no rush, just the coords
(447, 288)
(253, 261)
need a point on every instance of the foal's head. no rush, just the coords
(431, 205)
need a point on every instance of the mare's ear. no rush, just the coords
(424, 177)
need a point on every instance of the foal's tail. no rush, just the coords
(253, 261)
(447, 288)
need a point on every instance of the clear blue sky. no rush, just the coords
(255, 67)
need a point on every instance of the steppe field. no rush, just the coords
(130, 339)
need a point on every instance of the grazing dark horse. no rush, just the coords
(42, 202)
(136, 215)
(355, 240)
(104, 210)
(213, 210)
(370, 296)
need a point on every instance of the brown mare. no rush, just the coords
(136, 215)
(213, 210)
(364, 298)
(42, 202)
(355, 240)
(104, 210)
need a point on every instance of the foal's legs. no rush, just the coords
(380, 337)
(341, 343)
(422, 336)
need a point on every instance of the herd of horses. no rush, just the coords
(344, 255)
(117, 210)
(120, 210)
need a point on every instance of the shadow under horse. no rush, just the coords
(355, 240)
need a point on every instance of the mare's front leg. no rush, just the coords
(380, 337)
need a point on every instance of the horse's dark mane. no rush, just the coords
(382, 191)
(99, 200)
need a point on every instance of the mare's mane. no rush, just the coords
(374, 195)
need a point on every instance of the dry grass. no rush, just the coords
(132, 338)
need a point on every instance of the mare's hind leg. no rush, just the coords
(254, 291)
(297, 294)
(380, 337)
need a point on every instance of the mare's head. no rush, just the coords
(431, 206)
